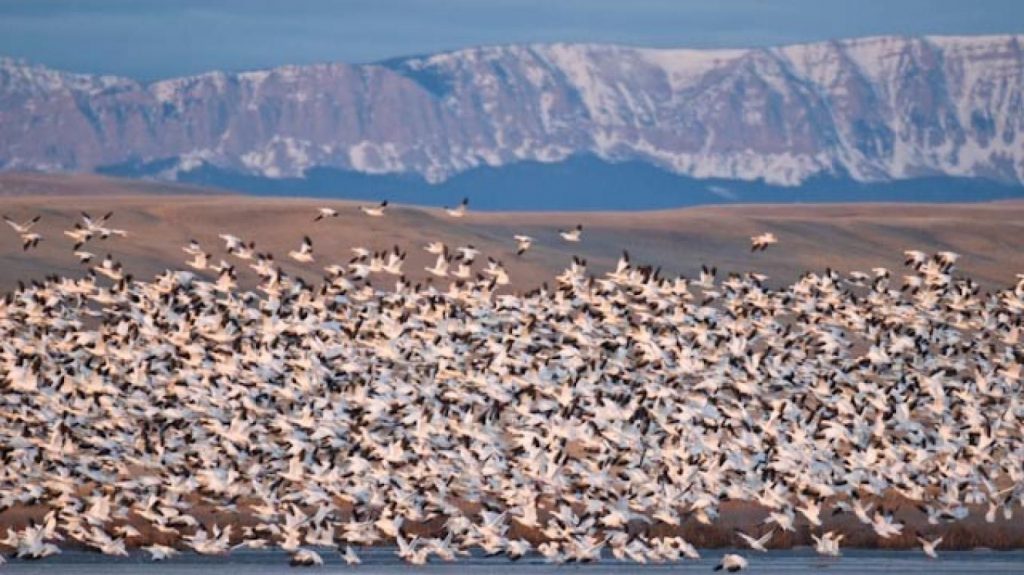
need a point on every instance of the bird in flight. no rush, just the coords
(762, 241)
(24, 227)
(523, 243)
(375, 211)
(572, 235)
(29, 239)
(305, 252)
(459, 210)
(325, 213)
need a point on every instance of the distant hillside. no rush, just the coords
(587, 183)
(811, 237)
(813, 118)
(36, 185)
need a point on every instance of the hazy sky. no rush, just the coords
(149, 39)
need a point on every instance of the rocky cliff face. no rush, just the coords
(872, 109)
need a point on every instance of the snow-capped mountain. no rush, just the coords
(870, 109)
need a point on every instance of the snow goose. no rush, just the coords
(95, 225)
(159, 552)
(757, 544)
(30, 240)
(306, 558)
(762, 241)
(827, 544)
(23, 227)
(467, 253)
(440, 267)
(572, 235)
(458, 211)
(79, 235)
(929, 546)
(325, 213)
(375, 211)
(350, 556)
(305, 252)
(523, 243)
(731, 563)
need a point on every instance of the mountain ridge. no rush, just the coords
(875, 109)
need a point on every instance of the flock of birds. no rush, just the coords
(592, 417)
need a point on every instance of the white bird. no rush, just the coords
(306, 558)
(947, 257)
(517, 548)
(30, 240)
(458, 211)
(24, 227)
(305, 252)
(759, 543)
(434, 248)
(915, 258)
(440, 268)
(159, 552)
(79, 234)
(827, 544)
(929, 546)
(193, 248)
(523, 243)
(572, 235)
(731, 563)
(350, 556)
(325, 213)
(762, 241)
(231, 243)
(885, 525)
(375, 211)
(462, 272)
(110, 268)
(199, 261)
(205, 544)
(96, 225)
(467, 253)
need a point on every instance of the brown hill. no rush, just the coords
(160, 219)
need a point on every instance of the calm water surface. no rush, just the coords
(383, 561)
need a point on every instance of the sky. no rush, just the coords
(153, 39)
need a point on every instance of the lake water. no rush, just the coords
(383, 561)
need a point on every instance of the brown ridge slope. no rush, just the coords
(39, 184)
(160, 219)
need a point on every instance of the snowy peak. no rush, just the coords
(875, 109)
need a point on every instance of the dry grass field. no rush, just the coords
(161, 218)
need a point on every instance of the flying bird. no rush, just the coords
(929, 546)
(305, 252)
(523, 243)
(756, 544)
(458, 211)
(325, 213)
(30, 240)
(762, 241)
(24, 227)
(572, 235)
(375, 211)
